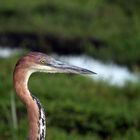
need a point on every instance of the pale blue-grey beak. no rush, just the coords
(62, 67)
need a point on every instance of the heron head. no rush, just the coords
(41, 62)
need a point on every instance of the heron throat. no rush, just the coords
(41, 121)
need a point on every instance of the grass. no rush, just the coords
(77, 108)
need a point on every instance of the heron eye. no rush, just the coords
(42, 61)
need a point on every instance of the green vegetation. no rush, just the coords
(115, 23)
(77, 108)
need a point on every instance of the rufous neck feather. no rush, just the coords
(20, 79)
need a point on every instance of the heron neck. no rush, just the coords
(20, 79)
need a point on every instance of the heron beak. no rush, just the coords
(61, 67)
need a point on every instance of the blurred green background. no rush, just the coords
(77, 108)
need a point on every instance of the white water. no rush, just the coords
(7, 52)
(112, 73)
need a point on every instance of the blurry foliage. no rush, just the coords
(76, 107)
(114, 22)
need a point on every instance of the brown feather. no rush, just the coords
(20, 78)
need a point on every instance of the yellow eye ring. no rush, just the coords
(42, 61)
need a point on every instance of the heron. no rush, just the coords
(25, 66)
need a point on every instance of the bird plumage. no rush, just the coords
(41, 121)
(28, 64)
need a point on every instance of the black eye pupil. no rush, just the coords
(42, 61)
